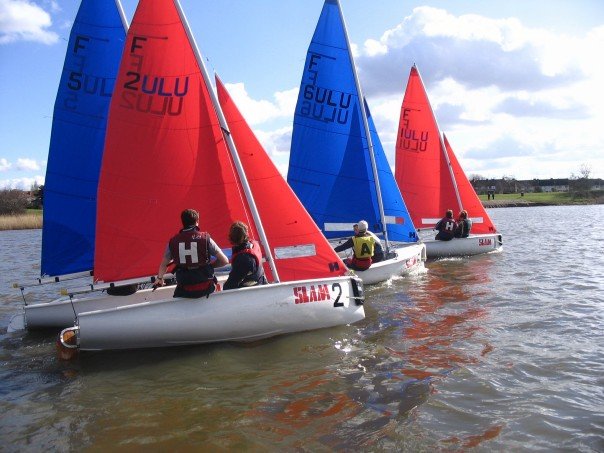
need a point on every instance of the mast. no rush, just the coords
(230, 143)
(367, 131)
(444, 149)
(442, 145)
(120, 10)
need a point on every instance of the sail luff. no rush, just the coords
(366, 127)
(442, 146)
(229, 140)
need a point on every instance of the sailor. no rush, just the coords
(464, 225)
(378, 252)
(246, 259)
(364, 245)
(192, 250)
(446, 227)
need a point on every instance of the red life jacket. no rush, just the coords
(252, 248)
(189, 248)
(194, 274)
(361, 264)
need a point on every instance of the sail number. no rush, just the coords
(157, 95)
(411, 139)
(78, 81)
(312, 293)
(322, 104)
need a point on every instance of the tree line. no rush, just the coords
(577, 185)
(16, 201)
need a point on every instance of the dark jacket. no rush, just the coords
(463, 228)
(446, 229)
(246, 267)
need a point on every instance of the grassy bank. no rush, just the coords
(32, 219)
(545, 198)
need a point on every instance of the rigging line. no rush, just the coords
(75, 315)
(23, 296)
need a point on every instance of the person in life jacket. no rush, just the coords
(246, 259)
(446, 227)
(364, 245)
(191, 251)
(464, 225)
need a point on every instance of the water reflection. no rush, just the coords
(416, 332)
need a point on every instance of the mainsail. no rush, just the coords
(427, 172)
(330, 166)
(166, 151)
(298, 246)
(78, 135)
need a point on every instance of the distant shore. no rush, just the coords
(537, 199)
(515, 203)
(29, 221)
(33, 218)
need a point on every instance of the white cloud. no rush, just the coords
(53, 5)
(4, 164)
(257, 112)
(27, 164)
(513, 100)
(275, 142)
(22, 20)
(373, 47)
(510, 97)
(21, 183)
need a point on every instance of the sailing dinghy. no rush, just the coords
(170, 145)
(337, 165)
(77, 139)
(432, 180)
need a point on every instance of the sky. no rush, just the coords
(517, 85)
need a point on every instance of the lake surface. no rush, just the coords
(501, 352)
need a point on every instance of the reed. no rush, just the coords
(26, 221)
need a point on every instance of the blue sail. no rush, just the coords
(78, 136)
(330, 166)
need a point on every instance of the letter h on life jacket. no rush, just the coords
(183, 252)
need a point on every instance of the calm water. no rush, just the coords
(503, 352)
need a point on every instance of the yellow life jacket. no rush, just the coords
(363, 246)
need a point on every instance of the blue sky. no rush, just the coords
(516, 85)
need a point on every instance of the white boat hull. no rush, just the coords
(472, 245)
(61, 313)
(407, 258)
(245, 314)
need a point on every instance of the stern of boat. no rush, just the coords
(358, 292)
(68, 343)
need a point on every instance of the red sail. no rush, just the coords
(298, 246)
(164, 150)
(421, 169)
(482, 223)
